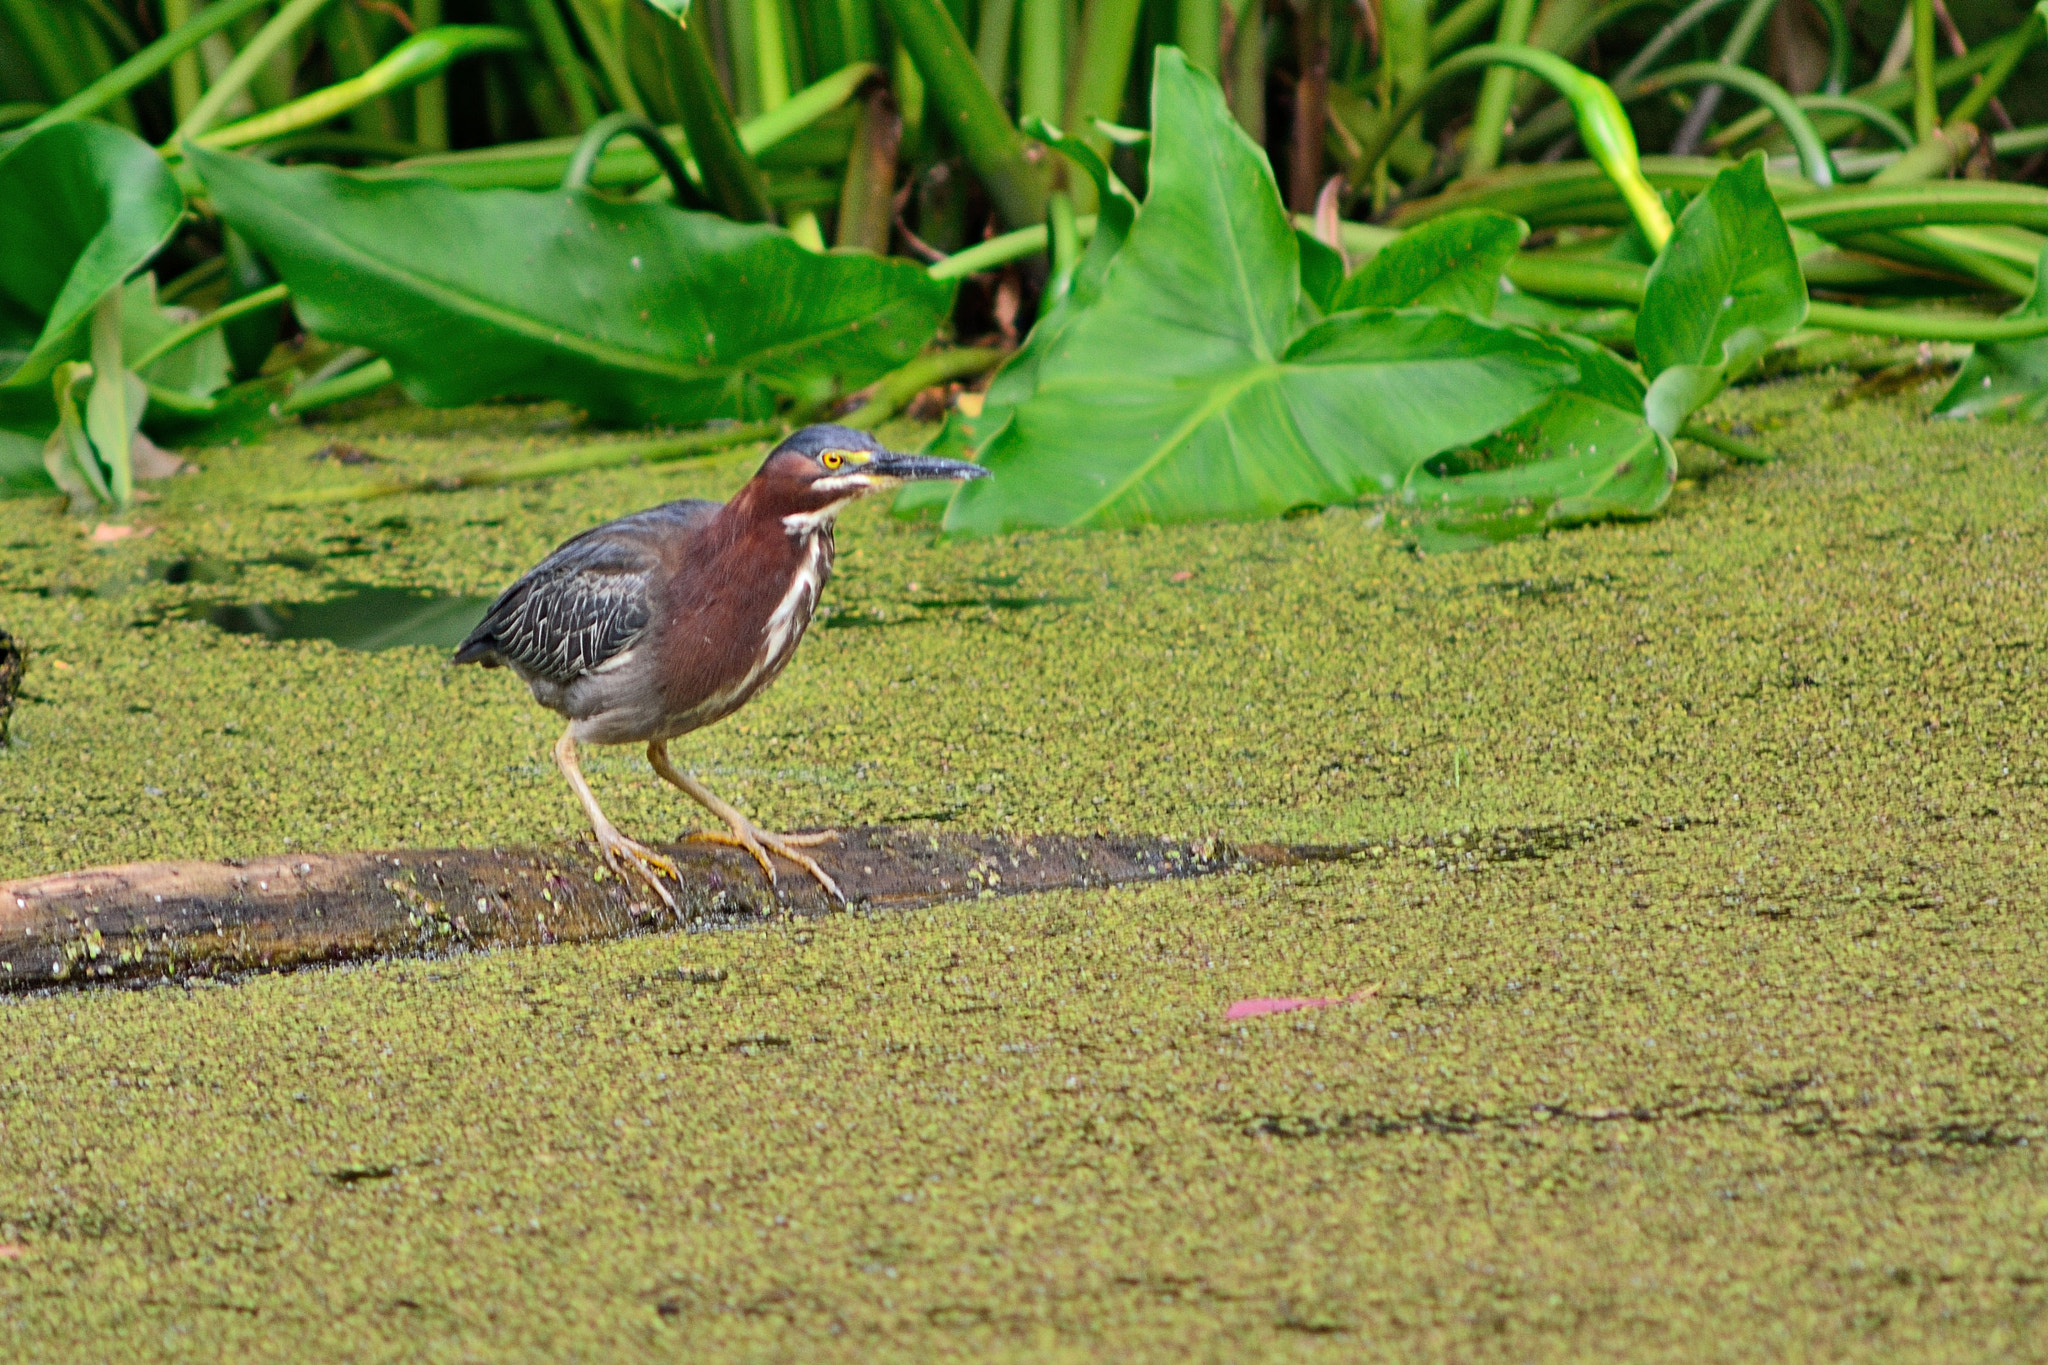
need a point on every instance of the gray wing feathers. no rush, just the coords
(583, 605)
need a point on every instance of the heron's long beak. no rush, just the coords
(891, 464)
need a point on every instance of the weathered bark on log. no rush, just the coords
(158, 921)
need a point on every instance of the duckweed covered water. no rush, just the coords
(1740, 1056)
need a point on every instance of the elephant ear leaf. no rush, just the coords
(1587, 454)
(637, 312)
(1452, 262)
(2006, 378)
(83, 206)
(1726, 286)
(1197, 386)
(965, 434)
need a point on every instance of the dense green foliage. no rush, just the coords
(1153, 386)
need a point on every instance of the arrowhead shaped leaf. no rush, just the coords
(1200, 383)
(964, 437)
(82, 206)
(1452, 262)
(1725, 287)
(2006, 378)
(1585, 455)
(638, 312)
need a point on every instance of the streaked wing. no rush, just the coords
(584, 604)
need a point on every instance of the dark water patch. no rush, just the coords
(360, 618)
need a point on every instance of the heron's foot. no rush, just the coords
(745, 834)
(631, 858)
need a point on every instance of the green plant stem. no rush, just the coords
(1883, 120)
(1734, 52)
(47, 51)
(772, 55)
(1197, 27)
(1814, 162)
(911, 99)
(604, 41)
(608, 455)
(1680, 24)
(1041, 58)
(226, 313)
(1248, 69)
(1553, 119)
(1109, 31)
(1839, 43)
(1740, 451)
(21, 111)
(899, 386)
(732, 181)
(294, 15)
(1995, 76)
(857, 23)
(351, 54)
(1602, 124)
(107, 407)
(186, 87)
(430, 97)
(415, 59)
(536, 164)
(867, 195)
(357, 382)
(1897, 94)
(581, 165)
(1926, 114)
(147, 63)
(1881, 208)
(974, 120)
(1886, 322)
(1466, 17)
(1066, 239)
(560, 50)
(1496, 92)
(2020, 140)
(992, 32)
(1622, 282)
(1010, 246)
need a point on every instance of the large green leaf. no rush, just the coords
(1724, 288)
(1202, 384)
(965, 435)
(82, 206)
(2006, 378)
(1452, 262)
(639, 312)
(1585, 455)
(198, 369)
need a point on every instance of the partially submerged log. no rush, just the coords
(158, 921)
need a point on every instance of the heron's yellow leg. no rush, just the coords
(624, 856)
(745, 833)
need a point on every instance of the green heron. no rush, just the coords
(667, 620)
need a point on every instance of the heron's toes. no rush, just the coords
(760, 843)
(788, 848)
(629, 857)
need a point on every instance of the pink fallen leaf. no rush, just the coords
(106, 533)
(1285, 1004)
(12, 1251)
(1184, 575)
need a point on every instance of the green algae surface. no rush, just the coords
(1738, 1054)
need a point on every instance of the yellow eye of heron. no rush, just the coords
(831, 459)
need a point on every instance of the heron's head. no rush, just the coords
(829, 465)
